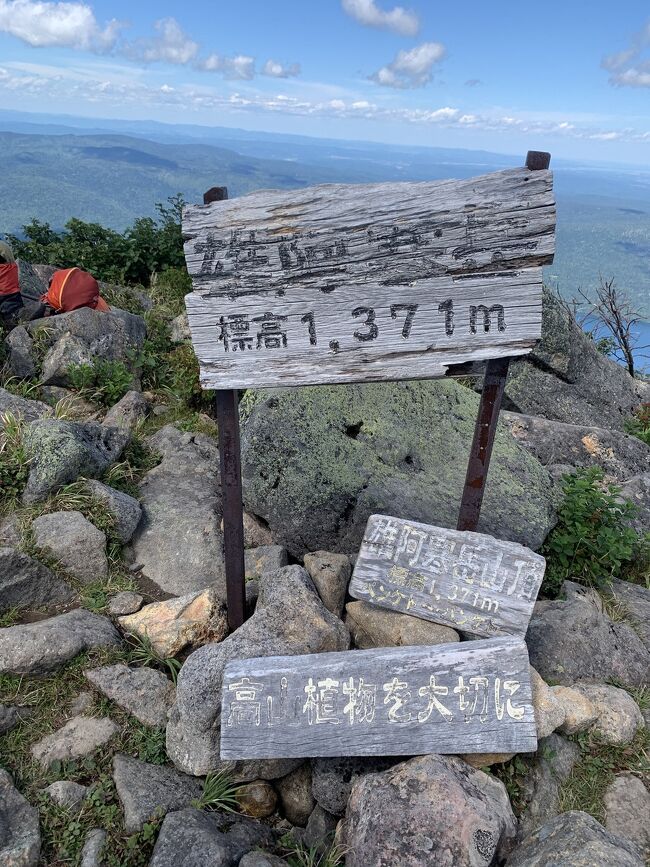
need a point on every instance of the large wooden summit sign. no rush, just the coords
(354, 283)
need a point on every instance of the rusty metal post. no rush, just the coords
(496, 373)
(227, 406)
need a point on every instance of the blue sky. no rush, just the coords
(505, 76)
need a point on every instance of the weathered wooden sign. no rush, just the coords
(350, 283)
(470, 581)
(473, 697)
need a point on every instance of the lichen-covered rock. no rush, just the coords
(79, 737)
(574, 839)
(627, 811)
(74, 542)
(144, 692)
(60, 451)
(619, 717)
(21, 408)
(331, 576)
(290, 619)
(37, 648)
(371, 626)
(175, 624)
(20, 837)
(125, 510)
(317, 462)
(26, 583)
(575, 640)
(429, 810)
(565, 378)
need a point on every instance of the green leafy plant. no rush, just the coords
(102, 381)
(639, 424)
(592, 540)
(219, 793)
(14, 466)
(144, 653)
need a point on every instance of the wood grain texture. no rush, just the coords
(473, 697)
(470, 581)
(348, 283)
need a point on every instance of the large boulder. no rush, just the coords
(575, 640)
(76, 544)
(429, 810)
(317, 462)
(26, 583)
(20, 837)
(565, 378)
(179, 543)
(60, 451)
(24, 409)
(290, 619)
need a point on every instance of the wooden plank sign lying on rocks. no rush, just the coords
(470, 581)
(354, 283)
(472, 697)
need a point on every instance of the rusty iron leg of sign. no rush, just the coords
(496, 373)
(227, 402)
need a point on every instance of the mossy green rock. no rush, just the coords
(318, 461)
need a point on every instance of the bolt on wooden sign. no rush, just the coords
(470, 581)
(353, 283)
(454, 698)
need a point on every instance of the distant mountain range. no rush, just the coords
(110, 172)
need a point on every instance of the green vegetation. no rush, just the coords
(14, 467)
(592, 541)
(144, 653)
(639, 424)
(219, 793)
(102, 381)
(300, 855)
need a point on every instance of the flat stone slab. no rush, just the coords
(76, 543)
(20, 837)
(79, 737)
(144, 692)
(26, 583)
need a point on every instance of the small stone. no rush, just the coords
(371, 626)
(195, 619)
(82, 703)
(331, 576)
(128, 412)
(190, 837)
(74, 542)
(20, 837)
(266, 558)
(146, 790)
(619, 717)
(10, 532)
(65, 793)
(296, 795)
(125, 510)
(549, 711)
(319, 830)
(333, 778)
(579, 711)
(11, 716)
(180, 329)
(261, 859)
(91, 854)
(26, 583)
(256, 533)
(257, 799)
(144, 692)
(627, 811)
(79, 737)
(126, 602)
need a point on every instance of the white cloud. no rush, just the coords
(412, 68)
(628, 68)
(398, 19)
(69, 25)
(240, 67)
(171, 45)
(279, 70)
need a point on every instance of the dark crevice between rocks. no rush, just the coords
(353, 430)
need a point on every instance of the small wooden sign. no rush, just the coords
(473, 697)
(470, 581)
(354, 283)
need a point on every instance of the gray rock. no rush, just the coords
(331, 575)
(540, 788)
(20, 837)
(11, 716)
(317, 462)
(146, 790)
(574, 839)
(189, 838)
(565, 378)
(429, 810)
(627, 811)
(243, 834)
(81, 704)
(125, 510)
(289, 619)
(575, 640)
(10, 531)
(61, 451)
(128, 412)
(91, 854)
(265, 558)
(20, 344)
(74, 542)
(65, 793)
(178, 541)
(261, 859)
(144, 692)
(37, 648)
(125, 602)
(256, 533)
(34, 279)
(332, 779)
(549, 710)
(79, 737)
(26, 583)
(371, 626)
(180, 329)
(636, 602)
(637, 491)
(320, 828)
(619, 717)
(296, 796)
(26, 410)
(618, 454)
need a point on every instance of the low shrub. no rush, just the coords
(639, 424)
(102, 381)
